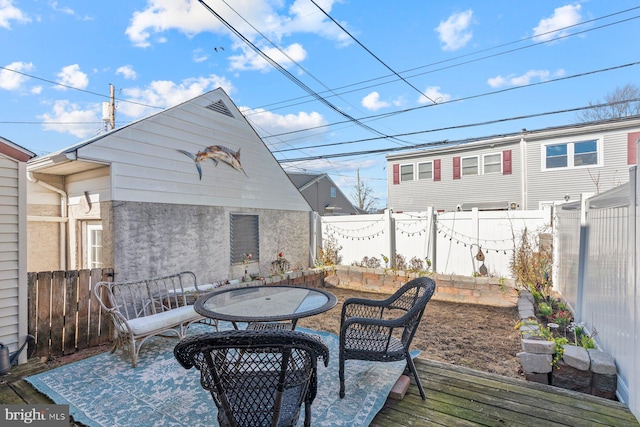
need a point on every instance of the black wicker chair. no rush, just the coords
(382, 330)
(256, 378)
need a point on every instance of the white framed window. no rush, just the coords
(406, 172)
(470, 166)
(333, 192)
(93, 242)
(571, 155)
(425, 170)
(492, 163)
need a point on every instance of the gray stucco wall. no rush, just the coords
(153, 239)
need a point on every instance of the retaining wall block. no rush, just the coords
(535, 363)
(576, 357)
(538, 346)
(570, 378)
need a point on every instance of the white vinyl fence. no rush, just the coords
(596, 246)
(450, 241)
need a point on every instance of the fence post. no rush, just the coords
(391, 241)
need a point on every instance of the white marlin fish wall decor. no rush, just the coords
(215, 153)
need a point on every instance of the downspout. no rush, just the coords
(523, 173)
(63, 217)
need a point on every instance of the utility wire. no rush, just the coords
(371, 53)
(301, 99)
(466, 98)
(287, 73)
(468, 125)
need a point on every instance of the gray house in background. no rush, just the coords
(13, 245)
(192, 187)
(323, 195)
(524, 170)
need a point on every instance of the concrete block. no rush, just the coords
(602, 363)
(603, 385)
(538, 378)
(570, 378)
(535, 363)
(539, 346)
(576, 357)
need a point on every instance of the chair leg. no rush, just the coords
(413, 370)
(341, 375)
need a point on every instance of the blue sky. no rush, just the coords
(352, 76)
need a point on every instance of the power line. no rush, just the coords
(77, 88)
(371, 53)
(286, 73)
(384, 115)
(464, 56)
(431, 144)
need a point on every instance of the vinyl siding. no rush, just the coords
(146, 165)
(448, 193)
(9, 252)
(553, 185)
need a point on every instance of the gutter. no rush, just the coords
(63, 219)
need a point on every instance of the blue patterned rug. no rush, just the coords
(104, 390)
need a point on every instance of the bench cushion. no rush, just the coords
(166, 319)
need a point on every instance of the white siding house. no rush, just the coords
(13, 245)
(134, 200)
(524, 170)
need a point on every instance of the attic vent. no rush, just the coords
(220, 108)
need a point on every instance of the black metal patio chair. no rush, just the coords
(382, 330)
(259, 377)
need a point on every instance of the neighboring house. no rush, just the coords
(323, 195)
(13, 245)
(524, 170)
(138, 200)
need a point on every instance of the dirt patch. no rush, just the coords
(478, 337)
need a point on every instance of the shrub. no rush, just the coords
(329, 254)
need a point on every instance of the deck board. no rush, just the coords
(456, 396)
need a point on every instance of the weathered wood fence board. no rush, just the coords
(64, 316)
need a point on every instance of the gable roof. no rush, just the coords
(13, 150)
(186, 154)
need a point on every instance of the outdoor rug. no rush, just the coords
(104, 390)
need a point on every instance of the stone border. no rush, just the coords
(588, 371)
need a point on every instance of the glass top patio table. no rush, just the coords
(264, 304)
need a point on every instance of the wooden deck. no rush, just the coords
(456, 396)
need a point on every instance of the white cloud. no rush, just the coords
(13, 81)
(190, 17)
(524, 79)
(163, 94)
(199, 55)
(127, 72)
(250, 60)
(432, 93)
(64, 9)
(72, 76)
(67, 117)
(268, 123)
(372, 102)
(562, 17)
(454, 33)
(8, 13)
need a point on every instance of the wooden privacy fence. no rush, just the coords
(64, 316)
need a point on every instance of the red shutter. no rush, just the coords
(396, 174)
(506, 162)
(632, 144)
(436, 170)
(456, 168)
